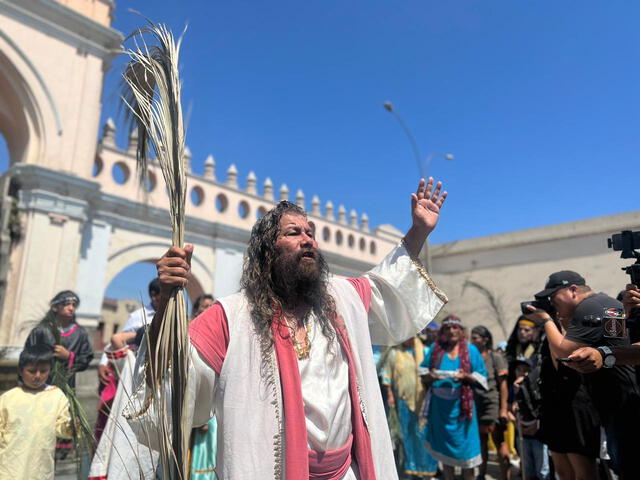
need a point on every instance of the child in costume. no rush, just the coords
(73, 353)
(32, 415)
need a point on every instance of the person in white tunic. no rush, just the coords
(118, 455)
(286, 363)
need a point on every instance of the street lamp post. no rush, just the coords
(422, 165)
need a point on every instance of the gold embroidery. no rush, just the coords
(422, 271)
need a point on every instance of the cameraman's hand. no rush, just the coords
(586, 360)
(631, 299)
(537, 315)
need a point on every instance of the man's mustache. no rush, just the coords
(307, 253)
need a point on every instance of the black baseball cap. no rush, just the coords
(559, 280)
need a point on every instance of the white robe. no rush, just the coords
(119, 456)
(246, 395)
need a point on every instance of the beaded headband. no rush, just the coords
(452, 320)
(65, 299)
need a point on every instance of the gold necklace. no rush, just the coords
(302, 349)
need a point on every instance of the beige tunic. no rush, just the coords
(29, 424)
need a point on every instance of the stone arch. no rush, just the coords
(148, 252)
(27, 108)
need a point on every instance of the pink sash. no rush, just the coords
(331, 465)
(296, 450)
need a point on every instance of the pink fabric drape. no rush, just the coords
(295, 427)
(209, 333)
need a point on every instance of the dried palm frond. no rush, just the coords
(152, 96)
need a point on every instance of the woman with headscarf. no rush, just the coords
(405, 393)
(452, 424)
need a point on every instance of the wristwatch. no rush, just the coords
(608, 358)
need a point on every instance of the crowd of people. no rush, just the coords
(283, 373)
(552, 398)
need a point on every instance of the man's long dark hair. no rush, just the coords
(263, 282)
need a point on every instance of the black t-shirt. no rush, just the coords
(609, 387)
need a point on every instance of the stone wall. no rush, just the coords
(509, 268)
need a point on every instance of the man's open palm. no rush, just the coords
(426, 204)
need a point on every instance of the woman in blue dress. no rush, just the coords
(452, 425)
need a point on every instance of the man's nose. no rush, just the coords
(307, 239)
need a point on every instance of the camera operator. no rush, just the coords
(614, 391)
(588, 359)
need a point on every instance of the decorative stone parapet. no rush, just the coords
(233, 206)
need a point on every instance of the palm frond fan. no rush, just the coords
(152, 97)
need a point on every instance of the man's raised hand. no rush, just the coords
(426, 204)
(425, 212)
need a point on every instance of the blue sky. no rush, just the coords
(538, 101)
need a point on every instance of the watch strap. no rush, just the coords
(608, 359)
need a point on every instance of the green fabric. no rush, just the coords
(203, 453)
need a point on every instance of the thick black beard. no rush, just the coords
(299, 283)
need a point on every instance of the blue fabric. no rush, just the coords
(535, 459)
(450, 439)
(377, 353)
(417, 460)
(203, 453)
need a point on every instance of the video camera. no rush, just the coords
(628, 242)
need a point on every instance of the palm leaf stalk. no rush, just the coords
(152, 97)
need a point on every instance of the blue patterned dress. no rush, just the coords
(450, 439)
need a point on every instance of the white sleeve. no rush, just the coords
(404, 298)
(135, 320)
(142, 411)
(103, 359)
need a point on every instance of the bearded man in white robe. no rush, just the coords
(286, 364)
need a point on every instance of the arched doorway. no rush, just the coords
(20, 114)
(128, 291)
